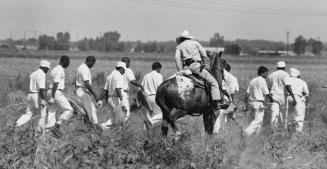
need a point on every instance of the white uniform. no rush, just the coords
(257, 91)
(129, 76)
(300, 91)
(37, 82)
(150, 83)
(230, 84)
(116, 81)
(279, 107)
(61, 102)
(88, 102)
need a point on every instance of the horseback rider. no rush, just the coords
(188, 56)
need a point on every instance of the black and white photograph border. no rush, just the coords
(163, 84)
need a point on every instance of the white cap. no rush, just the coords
(44, 63)
(294, 72)
(121, 64)
(281, 64)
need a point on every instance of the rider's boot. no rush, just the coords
(216, 107)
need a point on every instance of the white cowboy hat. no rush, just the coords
(294, 72)
(281, 64)
(121, 64)
(44, 63)
(186, 34)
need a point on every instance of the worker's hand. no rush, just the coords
(99, 104)
(43, 103)
(124, 108)
(51, 101)
(294, 102)
(307, 105)
(245, 108)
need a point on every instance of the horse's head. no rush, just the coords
(216, 65)
(215, 60)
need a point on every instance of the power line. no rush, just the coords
(233, 8)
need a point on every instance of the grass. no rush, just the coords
(129, 146)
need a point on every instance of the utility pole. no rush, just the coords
(24, 39)
(287, 41)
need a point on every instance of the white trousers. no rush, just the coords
(117, 114)
(222, 118)
(297, 112)
(156, 114)
(279, 110)
(33, 105)
(258, 109)
(61, 104)
(88, 103)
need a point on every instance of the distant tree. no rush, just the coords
(217, 40)
(150, 47)
(317, 47)
(232, 49)
(83, 44)
(111, 41)
(138, 47)
(299, 45)
(63, 41)
(47, 42)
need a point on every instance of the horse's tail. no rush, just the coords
(161, 95)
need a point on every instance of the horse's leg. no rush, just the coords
(164, 127)
(165, 119)
(176, 114)
(206, 121)
(209, 120)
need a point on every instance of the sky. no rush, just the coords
(163, 20)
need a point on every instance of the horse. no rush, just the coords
(177, 97)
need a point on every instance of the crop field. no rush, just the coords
(129, 146)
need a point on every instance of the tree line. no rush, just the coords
(111, 42)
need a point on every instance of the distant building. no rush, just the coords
(26, 47)
(4, 46)
(275, 53)
(214, 49)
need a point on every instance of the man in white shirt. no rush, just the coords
(255, 98)
(114, 90)
(300, 91)
(150, 83)
(84, 89)
(231, 81)
(129, 79)
(58, 101)
(36, 97)
(278, 89)
(230, 84)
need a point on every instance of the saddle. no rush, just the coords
(200, 82)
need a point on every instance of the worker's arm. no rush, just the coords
(269, 97)
(289, 90)
(135, 83)
(179, 61)
(43, 97)
(53, 93)
(246, 99)
(202, 51)
(120, 96)
(90, 89)
(104, 94)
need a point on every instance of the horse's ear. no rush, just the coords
(220, 54)
(208, 54)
